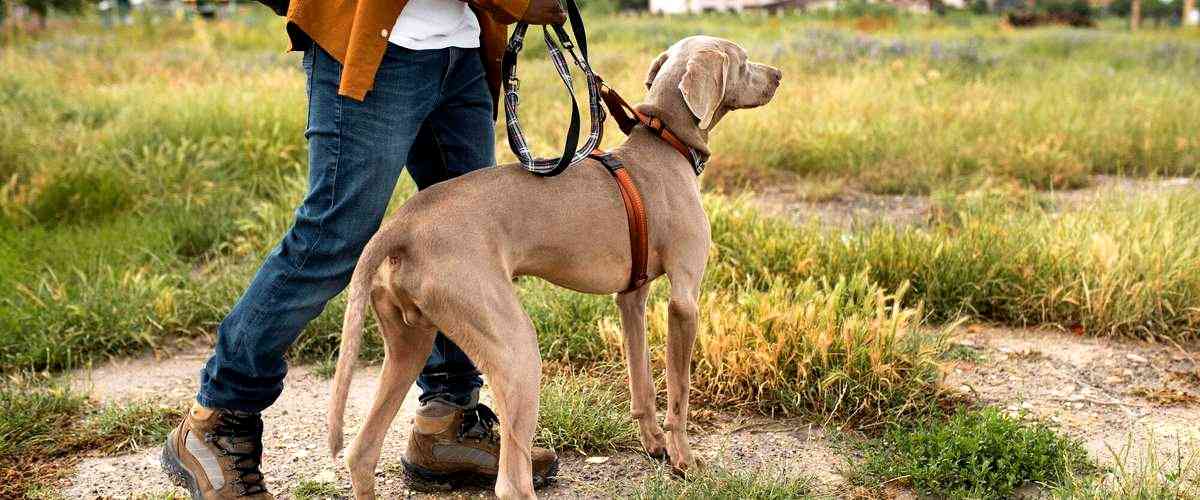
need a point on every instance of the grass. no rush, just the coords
(145, 171)
(972, 454)
(45, 427)
(724, 484)
(313, 490)
(585, 414)
(130, 216)
(1140, 473)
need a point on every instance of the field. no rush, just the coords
(929, 204)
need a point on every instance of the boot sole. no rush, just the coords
(423, 480)
(175, 471)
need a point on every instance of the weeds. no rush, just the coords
(844, 350)
(586, 415)
(314, 490)
(45, 427)
(1140, 473)
(725, 484)
(973, 454)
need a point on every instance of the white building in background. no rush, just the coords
(698, 6)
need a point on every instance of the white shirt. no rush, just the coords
(436, 24)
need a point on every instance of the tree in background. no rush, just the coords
(1169, 12)
(41, 8)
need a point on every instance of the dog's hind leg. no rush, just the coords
(682, 322)
(486, 320)
(641, 384)
(406, 348)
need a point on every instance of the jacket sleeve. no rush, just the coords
(504, 11)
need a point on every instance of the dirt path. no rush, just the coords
(1105, 392)
(296, 451)
(849, 207)
(1110, 393)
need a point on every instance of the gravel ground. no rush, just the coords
(295, 439)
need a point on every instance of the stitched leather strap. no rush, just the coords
(635, 211)
(627, 117)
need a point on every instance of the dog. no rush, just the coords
(448, 257)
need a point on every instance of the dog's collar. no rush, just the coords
(697, 159)
(627, 118)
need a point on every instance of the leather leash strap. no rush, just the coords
(635, 211)
(627, 117)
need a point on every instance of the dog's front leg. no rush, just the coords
(682, 322)
(641, 384)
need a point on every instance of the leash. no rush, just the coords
(512, 85)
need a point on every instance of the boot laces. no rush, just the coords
(479, 423)
(239, 436)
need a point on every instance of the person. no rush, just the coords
(390, 84)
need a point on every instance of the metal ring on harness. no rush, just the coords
(516, 136)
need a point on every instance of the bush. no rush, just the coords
(973, 454)
(844, 349)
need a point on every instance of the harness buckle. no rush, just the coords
(698, 163)
(609, 161)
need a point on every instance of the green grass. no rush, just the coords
(585, 414)
(1140, 472)
(721, 483)
(129, 215)
(972, 454)
(45, 427)
(313, 490)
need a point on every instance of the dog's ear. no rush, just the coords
(654, 67)
(703, 85)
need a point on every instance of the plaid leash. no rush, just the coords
(516, 136)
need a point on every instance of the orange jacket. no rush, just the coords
(355, 32)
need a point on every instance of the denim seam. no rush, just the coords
(259, 312)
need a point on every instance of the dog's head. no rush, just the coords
(701, 78)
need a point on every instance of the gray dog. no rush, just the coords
(448, 257)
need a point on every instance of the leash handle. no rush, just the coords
(516, 135)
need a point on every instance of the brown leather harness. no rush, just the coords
(635, 210)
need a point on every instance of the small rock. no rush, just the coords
(1141, 360)
(1113, 380)
(596, 460)
(326, 476)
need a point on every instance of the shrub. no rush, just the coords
(973, 454)
(843, 348)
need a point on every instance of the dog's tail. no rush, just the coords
(352, 325)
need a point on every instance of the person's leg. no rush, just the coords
(356, 152)
(458, 137)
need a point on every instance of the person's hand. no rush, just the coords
(544, 12)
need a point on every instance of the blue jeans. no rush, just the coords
(431, 110)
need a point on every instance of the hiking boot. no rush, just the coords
(216, 454)
(452, 446)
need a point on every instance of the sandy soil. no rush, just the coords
(1109, 393)
(296, 450)
(851, 208)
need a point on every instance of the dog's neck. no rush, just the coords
(644, 147)
(682, 124)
